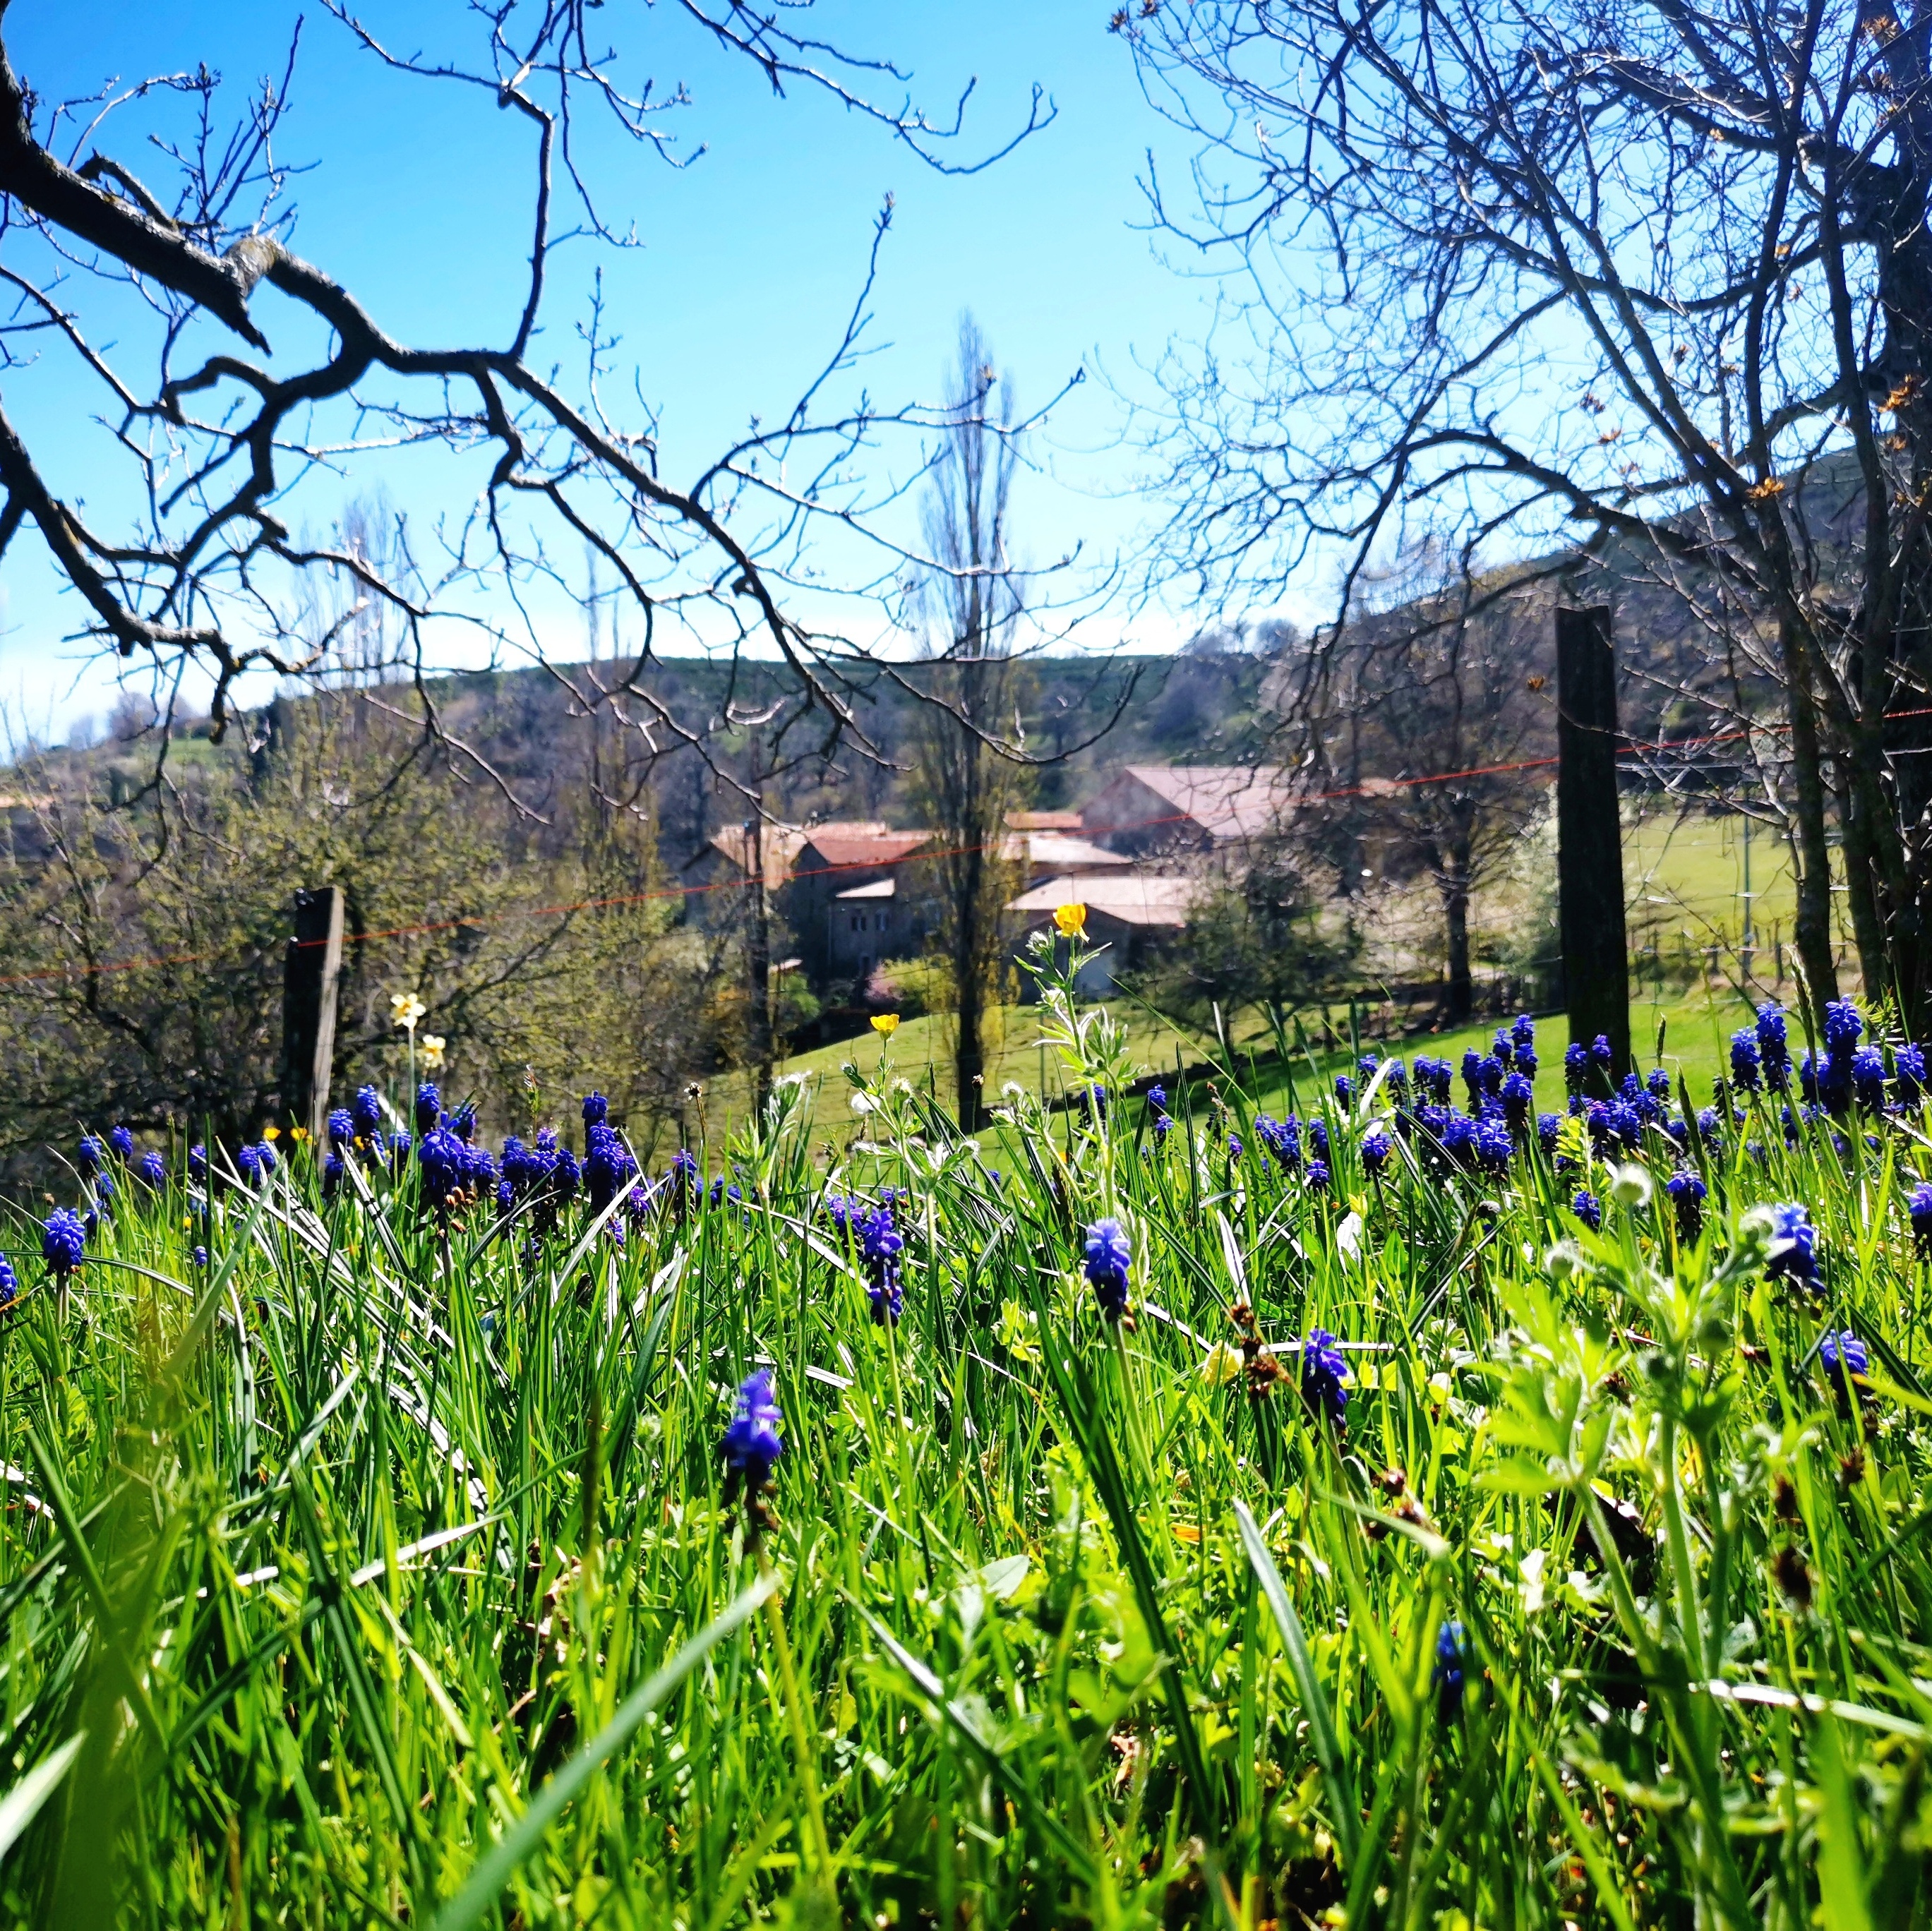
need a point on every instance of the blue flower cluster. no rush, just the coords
(1848, 1074)
(1324, 1374)
(752, 1442)
(1109, 1256)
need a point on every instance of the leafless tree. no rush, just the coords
(966, 776)
(1418, 710)
(215, 437)
(1653, 274)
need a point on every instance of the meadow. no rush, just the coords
(1485, 1503)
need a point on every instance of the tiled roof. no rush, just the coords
(1056, 851)
(1227, 801)
(781, 844)
(859, 846)
(1134, 898)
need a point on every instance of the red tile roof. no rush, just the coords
(843, 846)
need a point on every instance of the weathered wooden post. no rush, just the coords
(311, 976)
(1589, 835)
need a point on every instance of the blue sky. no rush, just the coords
(749, 259)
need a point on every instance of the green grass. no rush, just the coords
(384, 1570)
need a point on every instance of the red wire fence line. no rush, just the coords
(1372, 787)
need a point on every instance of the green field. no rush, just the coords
(1145, 1535)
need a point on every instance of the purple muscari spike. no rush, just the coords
(1489, 1073)
(1494, 1146)
(1526, 1061)
(1600, 1050)
(1459, 1139)
(880, 1245)
(1658, 1085)
(1344, 1089)
(608, 1168)
(1794, 1248)
(1324, 1372)
(1316, 1178)
(400, 1144)
(366, 1110)
(122, 1141)
(1845, 1361)
(1679, 1131)
(1518, 1096)
(1234, 1146)
(1625, 1124)
(91, 1155)
(684, 1176)
(1687, 1193)
(1396, 1080)
(1908, 1073)
(9, 1286)
(1744, 1060)
(197, 1162)
(1523, 1031)
(154, 1170)
(1919, 1207)
(1774, 1045)
(1318, 1139)
(429, 1107)
(752, 1442)
(506, 1196)
(1575, 1065)
(248, 1164)
(1503, 1046)
(1868, 1077)
(200, 1257)
(1472, 1074)
(596, 1111)
(63, 1241)
(1108, 1257)
(341, 1127)
(440, 1159)
(1549, 1128)
(1589, 1210)
(1448, 1673)
(565, 1174)
(334, 1169)
(1377, 1147)
(1844, 1026)
(1709, 1123)
(1157, 1100)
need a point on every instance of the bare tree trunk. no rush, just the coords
(1811, 929)
(1458, 1000)
(969, 1055)
(758, 966)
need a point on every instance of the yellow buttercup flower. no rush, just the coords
(1072, 920)
(271, 1133)
(885, 1024)
(298, 1133)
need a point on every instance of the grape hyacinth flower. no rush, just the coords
(1600, 1054)
(880, 1245)
(1774, 1046)
(63, 1241)
(1156, 1101)
(1459, 1139)
(197, 1162)
(1518, 1096)
(1687, 1193)
(596, 1111)
(608, 1167)
(1315, 1180)
(1494, 1147)
(154, 1170)
(1503, 1046)
(1472, 1075)
(1868, 1078)
(366, 1112)
(1844, 1026)
(1344, 1089)
(1589, 1210)
(1448, 1673)
(341, 1127)
(334, 1170)
(1549, 1130)
(249, 1164)
(1234, 1146)
(440, 1160)
(429, 1109)
(1108, 1257)
(9, 1286)
(1324, 1373)
(1576, 1065)
(90, 1156)
(1919, 1207)
(1376, 1148)
(1794, 1248)
(1744, 1060)
(400, 1144)
(1845, 1361)
(122, 1141)
(752, 1443)
(1908, 1073)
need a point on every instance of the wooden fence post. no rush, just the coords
(1589, 835)
(311, 976)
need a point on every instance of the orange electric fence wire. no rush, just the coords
(1373, 787)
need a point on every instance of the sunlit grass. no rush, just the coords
(381, 1570)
